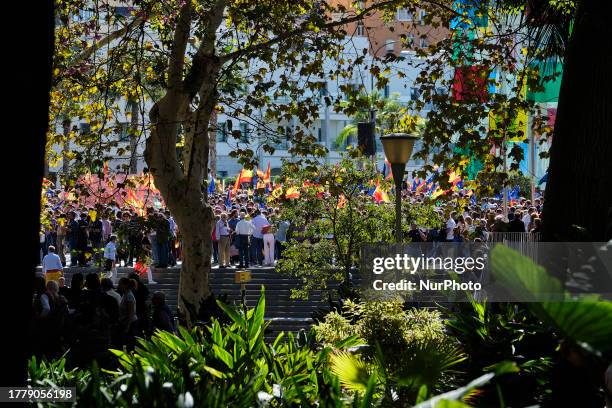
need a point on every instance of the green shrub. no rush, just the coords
(408, 349)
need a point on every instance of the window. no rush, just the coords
(82, 15)
(360, 31)
(424, 43)
(320, 134)
(403, 15)
(122, 131)
(123, 11)
(386, 91)
(84, 128)
(414, 94)
(422, 17)
(244, 132)
(222, 132)
(323, 89)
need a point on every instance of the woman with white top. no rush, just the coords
(268, 243)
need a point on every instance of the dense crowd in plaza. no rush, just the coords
(97, 311)
(247, 231)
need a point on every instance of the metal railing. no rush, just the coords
(522, 242)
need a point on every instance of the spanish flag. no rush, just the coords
(266, 176)
(292, 192)
(237, 183)
(380, 195)
(246, 176)
(438, 192)
(277, 192)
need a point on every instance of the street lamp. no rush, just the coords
(398, 148)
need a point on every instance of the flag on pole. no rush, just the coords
(380, 194)
(228, 200)
(387, 173)
(246, 176)
(237, 183)
(266, 176)
(211, 186)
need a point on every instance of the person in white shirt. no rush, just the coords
(244, 230)
(107, 227)
(223, 235)
(526, 220)
(450, 227)
(259, 221)
(52, 267)
(110, 256)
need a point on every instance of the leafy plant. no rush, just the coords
(406, 350)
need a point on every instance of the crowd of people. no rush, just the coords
(99, 310)
(91, 315)
(246, 231)
(84, 233)
(480, 220)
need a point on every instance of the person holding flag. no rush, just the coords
(211, 186)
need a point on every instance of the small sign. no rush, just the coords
(242, 276)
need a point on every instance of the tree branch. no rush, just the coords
(111, 37)
(176, 61)
(206, 51)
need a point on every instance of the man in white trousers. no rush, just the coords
(268, 243)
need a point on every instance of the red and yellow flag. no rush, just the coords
(292, 192)
(380, 195)
(246, 176)
(237, 183)
(266, 176)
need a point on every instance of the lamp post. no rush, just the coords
(398, 148)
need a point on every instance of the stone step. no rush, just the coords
(283, 313)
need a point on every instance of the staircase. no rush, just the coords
(283, 313)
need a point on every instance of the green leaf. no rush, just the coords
(352, 372)
(586, 321)
(455, 395)
(257, 321)
(224, 356)
(232, 313)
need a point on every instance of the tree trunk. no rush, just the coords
(182, 190)
(578, 198)
(212, 148)
(135, 111)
